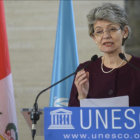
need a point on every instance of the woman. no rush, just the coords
(109, 75)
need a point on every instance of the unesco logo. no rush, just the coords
(61, 119)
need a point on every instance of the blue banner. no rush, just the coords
(72, 123)
(65, 55)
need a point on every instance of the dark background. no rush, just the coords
(133, 10)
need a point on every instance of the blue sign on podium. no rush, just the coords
(77, 123)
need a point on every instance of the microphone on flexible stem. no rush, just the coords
(94, 57)
(122, 56)
(35, 114)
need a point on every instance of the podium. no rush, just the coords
(87, 123)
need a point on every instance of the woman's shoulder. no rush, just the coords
(90, 61)
(136, 60)
(88, 65)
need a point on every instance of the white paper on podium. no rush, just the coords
(120, 101)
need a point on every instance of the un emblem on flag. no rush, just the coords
(61, 119)
(61, 102)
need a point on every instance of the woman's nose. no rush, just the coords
(106, 34)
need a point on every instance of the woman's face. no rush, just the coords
(108, 36)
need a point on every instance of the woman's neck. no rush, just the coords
(113, 60)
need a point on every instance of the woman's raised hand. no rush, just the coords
(82, 84)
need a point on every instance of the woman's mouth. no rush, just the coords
(108, 44)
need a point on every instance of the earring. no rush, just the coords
(124, 36)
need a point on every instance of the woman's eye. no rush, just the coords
(99, 32)
(112, 29)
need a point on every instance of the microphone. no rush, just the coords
(35, 114)
(122, 56)
(94, 57)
